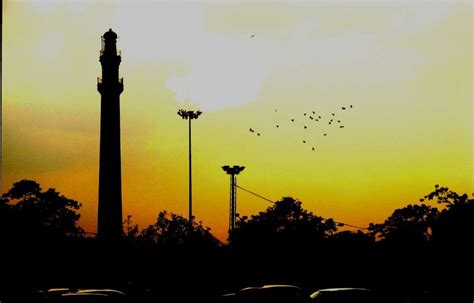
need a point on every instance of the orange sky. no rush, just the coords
(405, 66)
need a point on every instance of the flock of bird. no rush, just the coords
(308, 117)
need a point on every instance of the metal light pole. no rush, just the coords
(232, 171)
(190, 115)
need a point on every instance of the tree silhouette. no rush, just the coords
(429, 243)
(130, 231)
(30, 213)
(172, 231)
(447, 196)
(41, 233)
(285, 222)
(406, 226)
(423, 223)
(453, 234)
(455, 224)
(283, 243)
(353, 238)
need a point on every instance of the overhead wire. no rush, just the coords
(339, 223)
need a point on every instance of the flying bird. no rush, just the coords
(314, 112)
(342, 126)
(351, 105)
(313, 148)
(292, 120)
(304, 141)
(252, 36)
(278, 125)
(251, 130)
(305, 127)
(333, 114)
(311, 117)
(325, 134)
(304, 114)
(258, 134)
(343, 108)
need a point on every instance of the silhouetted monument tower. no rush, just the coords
(110, 86)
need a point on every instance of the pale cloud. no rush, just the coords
(417, 17)
(230, 69)
(221, 70)
(226, 67)
(224, 72)
(51, 46)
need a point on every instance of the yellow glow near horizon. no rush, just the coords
(403, 65)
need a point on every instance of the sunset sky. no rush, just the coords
(405, 66)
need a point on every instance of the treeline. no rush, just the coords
(418, 248)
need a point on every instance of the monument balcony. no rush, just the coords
(109, 86)
(118, 52)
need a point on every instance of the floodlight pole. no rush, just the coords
(233, 171)
(190, 115)
(190, 211)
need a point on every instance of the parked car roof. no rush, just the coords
(341, 295)
(108, 292)
(270, 293)
(68, 295)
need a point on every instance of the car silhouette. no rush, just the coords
(67, 295)
(343, 295)
(266, 293)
